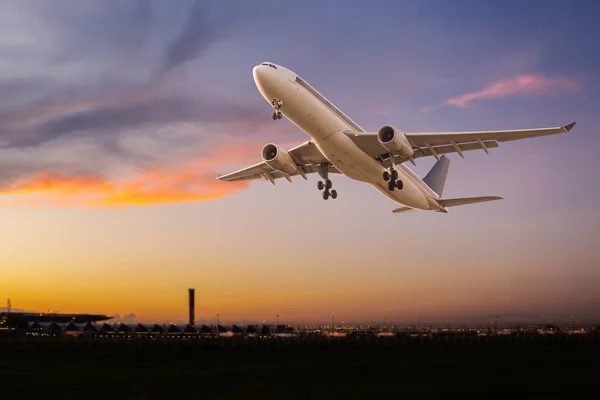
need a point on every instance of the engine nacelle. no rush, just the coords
(395, 142)
(279, 159)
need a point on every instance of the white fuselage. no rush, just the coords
(329, 128)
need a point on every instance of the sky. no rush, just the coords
(116, 117)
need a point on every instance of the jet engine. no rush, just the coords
(279, 159)
(395, 142)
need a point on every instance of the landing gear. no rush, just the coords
(391, 177)
(276, 104)
(325, 186)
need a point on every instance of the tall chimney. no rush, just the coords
(192, 296)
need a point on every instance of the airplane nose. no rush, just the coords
(258, 74)
(263, 78)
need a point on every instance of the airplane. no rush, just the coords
(340, 146)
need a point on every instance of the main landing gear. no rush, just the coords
(391, 177)
(276, 105)
(325, 186)
(323, 170)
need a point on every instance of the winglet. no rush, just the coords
(567, 128)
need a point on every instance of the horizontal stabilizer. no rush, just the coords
(466, 200)
(402, 210)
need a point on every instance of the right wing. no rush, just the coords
(458, 138)
(437, 143)
(307, 157)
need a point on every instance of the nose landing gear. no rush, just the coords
(276, 104)
(392, 179)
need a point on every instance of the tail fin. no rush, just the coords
(436, 178)
(466, 200)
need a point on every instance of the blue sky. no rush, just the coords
(115, 118)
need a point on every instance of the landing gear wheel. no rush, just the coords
(386, 176)
(276, 104)
(326, 184)
(391, 186)
(399, 185)
(394, 174)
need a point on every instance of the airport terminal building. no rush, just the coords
(22, 319)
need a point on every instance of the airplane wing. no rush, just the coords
(437, 143)
(307, 156)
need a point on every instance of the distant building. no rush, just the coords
(19, 318)
(192, 306)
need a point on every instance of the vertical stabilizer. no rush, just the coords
(436, 178)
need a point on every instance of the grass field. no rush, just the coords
(143, 369)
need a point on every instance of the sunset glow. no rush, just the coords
(116, 120)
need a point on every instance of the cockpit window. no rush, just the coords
(270, 65)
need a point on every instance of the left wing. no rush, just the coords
(435, 144)
(307, 157)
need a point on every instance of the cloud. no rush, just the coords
(196, 36)
(530, 84)
(86, 120)
(429, 108)
(106, 112)
(190, 181)
(522, 84)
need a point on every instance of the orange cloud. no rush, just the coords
(522, 84)
(190, 182)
